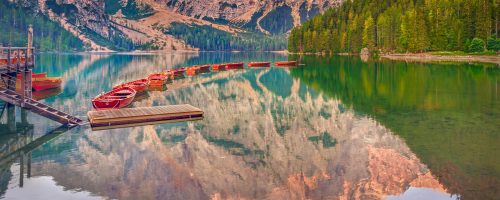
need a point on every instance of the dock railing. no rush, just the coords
(17, 58)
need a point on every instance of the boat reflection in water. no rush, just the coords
(40, 95)
(267, 134)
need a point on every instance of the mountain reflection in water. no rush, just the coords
(267, 134)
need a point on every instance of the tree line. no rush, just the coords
(401, 26)
(207, 38)
(48, 35)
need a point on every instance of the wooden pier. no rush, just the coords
(129, 117)
(16, 61)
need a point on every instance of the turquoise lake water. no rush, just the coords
(332, 128)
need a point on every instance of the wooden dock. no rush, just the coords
(129, 117)
(16, 61)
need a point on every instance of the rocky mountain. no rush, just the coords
(252, 14)
(147, 24)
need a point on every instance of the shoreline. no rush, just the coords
(428, 57)
(421, 57)
(408, 57)
(152, 52)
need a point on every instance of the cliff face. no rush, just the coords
(251, 13)
(127, 24)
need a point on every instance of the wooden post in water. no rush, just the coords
(30, 41)
(21, 169)
(9, 61)
(26, 72)
(29, 165)
(24, 117)
(11, 117)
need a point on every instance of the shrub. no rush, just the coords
(477, 45)
(493, 43)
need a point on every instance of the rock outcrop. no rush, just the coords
(249, 12)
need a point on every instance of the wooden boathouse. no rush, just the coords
(15, 61)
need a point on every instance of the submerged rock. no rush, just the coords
(364, 54)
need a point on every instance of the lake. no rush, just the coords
(332, 128)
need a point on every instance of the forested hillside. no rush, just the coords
(401, 26)
(111, 25)
(48, 35)
(207, 38)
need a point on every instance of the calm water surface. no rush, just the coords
(335, 128)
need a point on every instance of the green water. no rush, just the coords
(333, 127)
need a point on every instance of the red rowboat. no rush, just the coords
(204, 68)
(114, 99)
(157, 79)
(218, 67)
(259, 64)
(169, 74)
(39, 84)
(286, 63)
(178, 71)
(139, 86)
(191, 71)
(234, 65)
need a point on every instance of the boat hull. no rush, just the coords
(157, 82)
(112, 103)
(117, 98)
(39, 84)
(178, 72)
(259, 64)
(204, 69)
(192, 71)
(157, 79)
(234, 65)
(106, 104)
(218, 67)
(286, 63)
(140, 86)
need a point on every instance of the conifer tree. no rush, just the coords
(369, 33)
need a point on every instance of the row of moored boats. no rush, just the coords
(123, 95)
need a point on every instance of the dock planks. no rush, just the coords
(129, 117)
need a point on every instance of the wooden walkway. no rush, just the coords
(20, 61)
(129, 117)
(39, 108)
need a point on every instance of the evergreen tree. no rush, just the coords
(477, 45)
(483, 19)
(399, 25)
(493, 43)
(369, 33)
